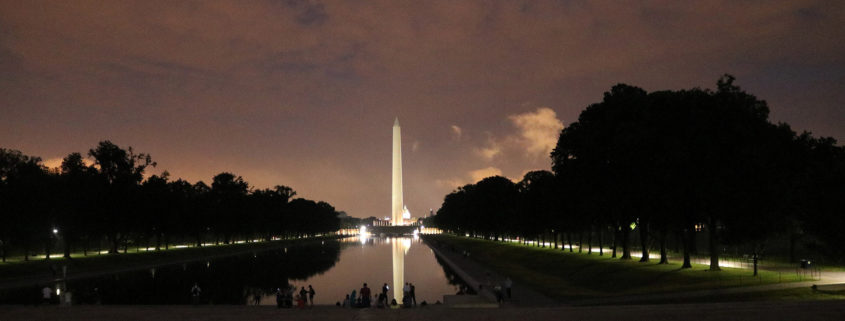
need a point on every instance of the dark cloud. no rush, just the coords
(304, 93)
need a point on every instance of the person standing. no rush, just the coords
(195, 294)
(289, 290)
(508, 285)
(280, 298)
(46, 294)
(365, 296)
(413, 293)
(304, 295)
(384, 289)
(311, 293)
(497, 289)
(353, 303)
(406, 295)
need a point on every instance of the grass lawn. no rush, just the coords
(15, 269)
(566, 276)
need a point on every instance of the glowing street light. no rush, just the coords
(55, 231)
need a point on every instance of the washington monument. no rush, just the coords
(397, 204)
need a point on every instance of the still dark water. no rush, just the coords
(333, 267)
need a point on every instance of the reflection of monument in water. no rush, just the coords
(400, 247)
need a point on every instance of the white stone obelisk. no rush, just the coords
(398, 205)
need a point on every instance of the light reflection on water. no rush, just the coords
(376, 261)
(333, 267)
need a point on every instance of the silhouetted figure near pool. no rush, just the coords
(303, 294)
(46, 295)
(382, 300)
(353, 299)
(413, 293)
(289, 296)
(311, 293)
(97, 298)
(280, 298)
(365, 296)
(345, 302)
(384, 289)
(499, 296)
(508, 285)
(195, 294)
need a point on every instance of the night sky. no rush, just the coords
(304, 93)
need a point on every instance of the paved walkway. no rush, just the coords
(823, 310)
(476, 275)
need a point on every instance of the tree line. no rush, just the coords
(111, 202)
(667, 165)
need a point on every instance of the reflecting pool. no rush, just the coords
(377, 261)
(332, 267)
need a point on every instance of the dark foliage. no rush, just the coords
(110, 201)
(666, 164)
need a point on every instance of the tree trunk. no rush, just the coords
(664, 258)
(67, 247)
(615, 241)
(590, 241)
(555, 236)
(85, 247)
(686, 240)
(601, 245)
(115, 243)
(158, 241)
(626, 242)
(47, 247)
(644, 241)
(756, 256)
(580, 243)
(714, 245)
(569, 240)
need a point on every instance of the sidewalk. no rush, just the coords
(476, 275)
(697, 294)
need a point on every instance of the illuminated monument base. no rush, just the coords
(393, 230)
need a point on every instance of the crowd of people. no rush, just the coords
(289, 298)
(364, 298)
